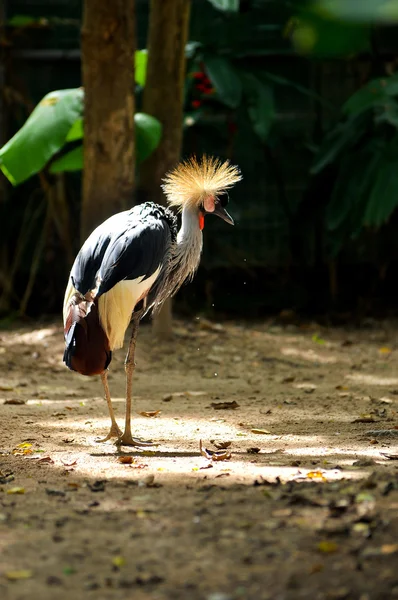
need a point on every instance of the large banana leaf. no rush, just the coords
(148, 132)
(44, 133)
(56, 121)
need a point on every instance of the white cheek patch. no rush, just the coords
(208, 204)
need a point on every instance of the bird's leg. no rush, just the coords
(127, 439)
(115, 429)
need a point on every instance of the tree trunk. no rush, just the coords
(108, 46)
(164, 99)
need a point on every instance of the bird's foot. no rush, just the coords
(114, 432)
(128, 440)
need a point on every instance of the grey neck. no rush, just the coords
(189, 243)
(185, 256)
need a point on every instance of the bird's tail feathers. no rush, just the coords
(87, 348)
(192, 181)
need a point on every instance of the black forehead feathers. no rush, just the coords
(224, 199)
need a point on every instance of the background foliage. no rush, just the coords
(301, 94)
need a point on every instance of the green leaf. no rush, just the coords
(76, 131)
(226, 5)
(260, 104)
(377, 11)
(384, 197)
(148, 133)
(43, 134)
(71, 161)
(225, 79)
(22, 21)
(343, 136)
(354, 181)
(141, 61)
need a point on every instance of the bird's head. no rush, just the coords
(201, 186)
(213, 205)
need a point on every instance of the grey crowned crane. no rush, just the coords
(130, 264)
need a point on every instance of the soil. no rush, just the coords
(303, 503)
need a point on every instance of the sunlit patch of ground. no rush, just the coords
(304, 504)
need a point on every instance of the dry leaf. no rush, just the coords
(118, 561)
(389, 548)
(150, 413)
(214, 454)
(21, 574)
(45, 459)
(327, 547)
(16, 490)
(126, 460)
(16, 401)
(220, 445)
(385, 350)
(69, 464)
(224, 405)
(390, 456)
(261, 431)
(316, 475)
(253, 450)
(364, 419)
(23, 449)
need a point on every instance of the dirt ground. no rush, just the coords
(304, 503)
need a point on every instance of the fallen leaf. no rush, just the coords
(261, 431)
(389, 548)
(69, 464)
(318, 340)
(390, 456)
(220, 445)
(364, 419)
(45, 459)
(150, 413)
(51, 492)
(23, 449)
(253, 450)
(126, 460)
(327, 547)
(6, 477)
(118, 561)
(385, 350)
(16, 401)
(16, 490)
(214, 454)
(224, 405)
(20, 574)
(316, 475)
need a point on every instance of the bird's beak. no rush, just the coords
(222, 213)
